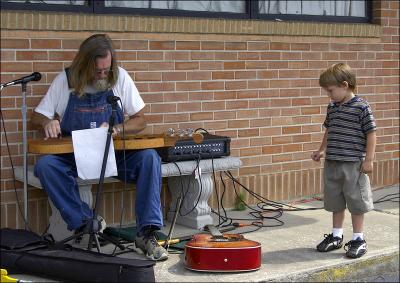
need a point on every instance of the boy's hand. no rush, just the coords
(367, 166)
(317, 155)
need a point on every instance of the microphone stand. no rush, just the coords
(93, 226)
(23, 81)
(25, 152)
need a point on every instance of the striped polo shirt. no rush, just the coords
(348, 125)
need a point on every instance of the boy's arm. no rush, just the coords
(317, 155)
(367, 165)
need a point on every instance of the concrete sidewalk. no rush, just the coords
(289, 254)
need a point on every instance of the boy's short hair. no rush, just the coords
(336, 74)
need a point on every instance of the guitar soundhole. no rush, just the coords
(221, 240)
(224, 239)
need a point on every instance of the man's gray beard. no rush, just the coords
(101, 85)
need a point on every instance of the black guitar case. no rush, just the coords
(23, 251)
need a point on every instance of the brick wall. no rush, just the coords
(261, 89)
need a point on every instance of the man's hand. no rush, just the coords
(367, 166)
(317, 155)
(52, 129)
(104, 125)
(116, 130)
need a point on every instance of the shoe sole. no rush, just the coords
(331, 248)
(356, 256)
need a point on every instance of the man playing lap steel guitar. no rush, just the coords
(77, 99)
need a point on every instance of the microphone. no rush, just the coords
(36, 76)
(112, 99)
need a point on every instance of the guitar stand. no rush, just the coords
(93, 226)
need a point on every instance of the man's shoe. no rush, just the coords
(102, 223)
(147, 244)
(355, 248)
(86, 229)
(330, 243)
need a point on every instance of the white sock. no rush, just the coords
(358, 235)
(337, 232)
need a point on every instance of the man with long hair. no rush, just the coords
(77, 99)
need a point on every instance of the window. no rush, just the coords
(203, 6)
(338, 11)
(48, 5)
(303, 10)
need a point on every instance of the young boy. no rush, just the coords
(349, 148)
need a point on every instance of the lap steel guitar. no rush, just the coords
(129, 142)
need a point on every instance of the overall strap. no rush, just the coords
(67, 73)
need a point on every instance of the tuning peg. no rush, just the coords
(171, 132)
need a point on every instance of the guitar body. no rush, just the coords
(234, 253)
(64, 145)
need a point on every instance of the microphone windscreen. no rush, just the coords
(36, 76)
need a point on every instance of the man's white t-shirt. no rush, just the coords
(57, 96)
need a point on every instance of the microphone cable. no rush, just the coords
(13, 173)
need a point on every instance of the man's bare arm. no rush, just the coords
(135, 124)
(51, 128)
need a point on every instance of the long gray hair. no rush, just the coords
(82, 69)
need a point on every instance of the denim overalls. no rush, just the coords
(57, 173)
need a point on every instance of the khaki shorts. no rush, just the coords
(344, 184)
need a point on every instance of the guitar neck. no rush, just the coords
(214, 231)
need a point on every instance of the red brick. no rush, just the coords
(235, 46)
(31, 55)
(226, 56)
(187, 86)
(148, 76)
(162, 45)
(211, 65)
(212, 85)
(248, 55)
(279, 46)
(46, 43)
(200, 75)
(176, 55)
(234, 65)
(186, 65)
(218, 75)
(212, 45)
(187, 45)
(258, 45)
(174, 76)
(149, 55)
(135, 44)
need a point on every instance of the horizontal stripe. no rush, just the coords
(344, 148)
(346, 142)
(334, 133)
(347, 127)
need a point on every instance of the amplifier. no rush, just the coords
(212, 146)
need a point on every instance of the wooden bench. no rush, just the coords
(195, 209)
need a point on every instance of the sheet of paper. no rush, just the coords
(89, 146)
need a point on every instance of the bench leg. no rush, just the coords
(57, 227)
(198, 193)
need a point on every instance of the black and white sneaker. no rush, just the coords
(356, 248)
(330, 243)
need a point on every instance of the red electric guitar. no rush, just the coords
(222, 252)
